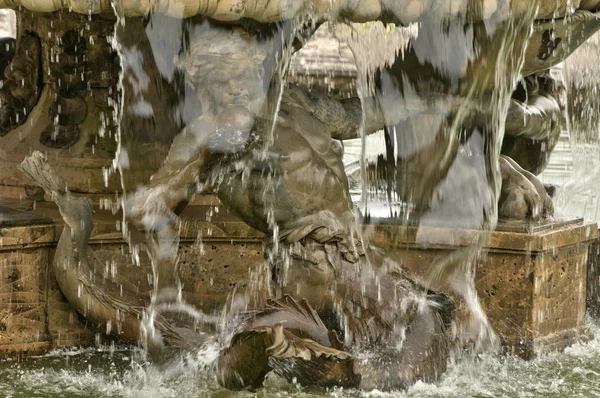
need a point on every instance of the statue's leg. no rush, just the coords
(522, 196)
(533, 122)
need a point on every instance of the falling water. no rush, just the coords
(428, 84)
(434, 164)
(578, 193)
(212, 73)
(445, 111)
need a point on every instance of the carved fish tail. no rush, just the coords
(37, 169)
(76, 211)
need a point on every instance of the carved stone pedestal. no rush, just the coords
(34, 316)
(531, 281)
(224, 268)
(593, 280)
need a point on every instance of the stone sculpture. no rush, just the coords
(400, 12)
(286, 179)
(316, 236)
(69, 110)
(21, 88)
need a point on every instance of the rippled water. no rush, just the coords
(118, 372)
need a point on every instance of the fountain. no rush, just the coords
(201, 199)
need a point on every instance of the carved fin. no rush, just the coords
(294, 315)
(301, 306)
(37, 169)
(253, 353)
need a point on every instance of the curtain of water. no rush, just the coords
(579, 195)
(200, 95)
(444, 87)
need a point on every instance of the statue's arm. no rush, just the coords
(153, 206)
(343, 118)
(538, 115)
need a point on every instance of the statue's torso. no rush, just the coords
(303, 175)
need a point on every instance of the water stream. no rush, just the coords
(200, 93)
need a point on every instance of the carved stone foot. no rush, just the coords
(523, 196)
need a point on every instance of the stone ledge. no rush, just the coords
(534, 293)
(566, 233)
(533, 347)
(531, 285)
(17, 346)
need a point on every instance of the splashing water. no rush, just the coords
(121, 372)
(193, 88)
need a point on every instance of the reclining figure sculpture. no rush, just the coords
(284, 176)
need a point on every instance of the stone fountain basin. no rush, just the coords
(531, 279)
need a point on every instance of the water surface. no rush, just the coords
(119, 372)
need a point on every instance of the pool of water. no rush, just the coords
(120, 372)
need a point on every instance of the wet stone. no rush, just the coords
(34, 315)
(531, 285)
(593, 280)
(60, 136)
(10, 217)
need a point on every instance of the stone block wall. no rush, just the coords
(34, 315)
(593, 280)
(225, 268)
(532, 285)
(535, 302)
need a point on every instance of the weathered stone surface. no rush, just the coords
(531, 285)
(223, 268)
(10, 217)
(34, 316)
(593, 280)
